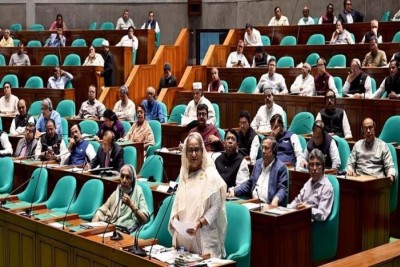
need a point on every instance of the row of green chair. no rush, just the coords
(32, 82)
(39, 27)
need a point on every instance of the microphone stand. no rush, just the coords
(116, 236)
(28, 211)
(3, 201)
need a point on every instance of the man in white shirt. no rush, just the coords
(20, 121)
(8, 102)
(278, 19)
(5, 145)
(92, 108)
(252, 37)
(151, 23)
(125, 21)
(124, 108)
(59, 79)
(20, 58)
(237, 59)
(265, 113)
(372, 32)
(129, 40)
(272, 80)
(198, 98)
(304, 83)
(306, 19)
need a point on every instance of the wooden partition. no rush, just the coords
(83, 77)
(302, 33)
(146, 39)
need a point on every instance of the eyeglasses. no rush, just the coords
(241, 46)
(366, 128)
(196, 150)
(202, 114)
(315, 165)
(44, 108)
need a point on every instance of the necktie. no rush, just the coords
(23, 151)
(107, 163)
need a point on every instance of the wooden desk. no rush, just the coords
(83, 77)
(385, 255)
(172, 134)
(281, 240)
(364, 211)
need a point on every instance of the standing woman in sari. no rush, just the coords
(200, 201)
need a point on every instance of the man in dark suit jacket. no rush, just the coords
(269, 172)
(108, 72)
(356, 16)
(109, 154)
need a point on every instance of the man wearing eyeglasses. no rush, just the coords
(48, 113)
(371, 155)
(335, 119)
(372, 32)
(350, 15)
(26, 146)
(317, 192)
(20, 121)
(278, 19)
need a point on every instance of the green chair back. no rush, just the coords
(79, 43)
(130, 156)
(62, 194)
(93, 25)
(65, 130)
(285, 62)
(50, 60)
(97, 42)
(34, 43)
(84, 208)
(217, 114)
(395, 185)
(221, 133)
(164, 111)
(36, 27)
(325, 234)
(176, 114)
(238, 234)
(316, 39)
(36, 191)
(15, 27)
(384, 95)
(158, 36)
(312, 59)
(248, 85)
(1, 124)
(95, 144)
(16, 42)
(157, 132)
(386, 16)
(153, 166)
(148, 196)
(72, 60)
(339, 85)
(353, 37)
(35, 109)
(225, 84)
(127, 125)
(89, 127)
(2, 60)
(302, 123)
(390, 130)
(7, 175)
(66, 108)
(303, 142)
(34, 82)
(288, 40)
(68, 85)
(107, 26)
(396, 37)
(373, 85)
(344, 151)
(164, 237)
(284, 118)
(265, 40)
(12, 79)
(337, 61)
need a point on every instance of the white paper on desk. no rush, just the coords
(56, 224)
(94, 224)
(185, 120)
(216, 262)
(142, 179)
(108, 234)
(182, 227)
(76, 169)
(162, 188)
(251, 205)
(168, 257)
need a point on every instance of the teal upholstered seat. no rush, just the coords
(34, 82)
(78, 43)
(248, 85)
(337, 61)
(34, 43)
(12, 79)
(72, 60)
(265, 40)
(107, 26)
(285, 62)
(7, 175)
(36, 191)
(390, 130)
(288, 40)
(130, 156)
(50, 60)
(344, 151)
(66, 108)
(157, 132)
(302, 123)
(176, 114)
(312, 59)
(153, 166)
(89, 127)
(63, 193)
(316, 39)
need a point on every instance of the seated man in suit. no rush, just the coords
(289, 147)
(51, 145)
(209, 133)
(109, 154)
(317, 192)
(269, 179)
(350, 15)
(26, 146)
(81, 151)
(325, 143)
(231, 164)
(371, 155)
(128, 199)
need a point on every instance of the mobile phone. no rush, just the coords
(239, 62)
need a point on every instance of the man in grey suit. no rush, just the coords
(26, 146)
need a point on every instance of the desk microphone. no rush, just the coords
(115, 236)
(28, 211)
(72, 198)
(3, 200)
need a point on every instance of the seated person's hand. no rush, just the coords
(231, 192)
(357, 95)
(301, 206)
(392, 95)
(180, 147)
(304, 164)
(95, 218)
(275, 201)
(212, 138)
(96, 138)
(351, 173)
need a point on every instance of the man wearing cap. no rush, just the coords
(261, 58)
(306, 19)
(265, 113)
(167, 80)
(358, 83)
(272, 80)
(199, 98)
(108, 71)
(252, 37)
(92, 108)
(237, 59)
(124, 108)
(304, 83)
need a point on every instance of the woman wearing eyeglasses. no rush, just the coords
(199, 202)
